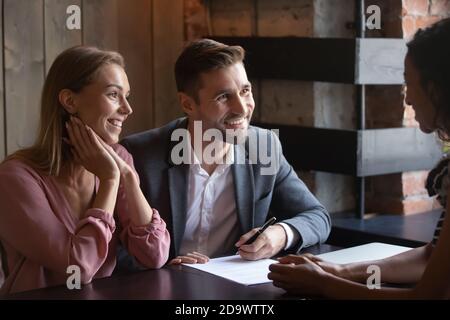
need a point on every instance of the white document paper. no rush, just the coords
(236, 269)
(366, 252)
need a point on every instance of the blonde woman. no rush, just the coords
(72, 197)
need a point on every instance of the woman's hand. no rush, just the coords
(191, 258)
(333, 268)
(124, 168)
(302, 277)
(88, 151)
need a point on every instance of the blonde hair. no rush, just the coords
(73, 69)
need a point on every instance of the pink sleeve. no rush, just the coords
(29, 224)
(148, 244)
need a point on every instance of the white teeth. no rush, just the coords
(115, 122)
(236, 122)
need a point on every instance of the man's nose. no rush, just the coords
(239, 107)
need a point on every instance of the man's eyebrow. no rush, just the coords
(221, 91)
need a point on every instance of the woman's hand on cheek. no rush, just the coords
(89, 151)
(124, 168)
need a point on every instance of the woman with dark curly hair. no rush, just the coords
(427, 77)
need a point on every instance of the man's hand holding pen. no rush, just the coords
(268, 243)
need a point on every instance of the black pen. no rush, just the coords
(268, 223)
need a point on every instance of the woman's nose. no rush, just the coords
(126, 108)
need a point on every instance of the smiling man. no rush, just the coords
(213, 207)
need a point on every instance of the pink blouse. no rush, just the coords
(41, 238)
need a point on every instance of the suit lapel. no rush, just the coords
(243, 188)
(178, 202)
(178, 185)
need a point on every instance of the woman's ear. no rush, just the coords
(67, 99)
(187, 103)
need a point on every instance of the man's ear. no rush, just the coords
(67, 99)
(187, 103)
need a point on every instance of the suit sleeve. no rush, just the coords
(297, 206)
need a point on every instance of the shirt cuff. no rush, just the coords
(292, 235)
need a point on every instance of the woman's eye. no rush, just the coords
(113, 95)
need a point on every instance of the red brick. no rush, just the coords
(412, 205)
(440, 7)
(413, 183)
(409, 112)
(415, 7)
(412, 24)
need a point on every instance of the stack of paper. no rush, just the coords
(236, 269)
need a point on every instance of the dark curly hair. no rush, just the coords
(429, 51)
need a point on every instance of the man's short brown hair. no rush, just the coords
(202, 56)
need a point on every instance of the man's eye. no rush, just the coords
(222, 97)
(246, 91)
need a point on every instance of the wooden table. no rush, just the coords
(168, 283)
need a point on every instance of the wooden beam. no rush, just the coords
(380, 61)
(358, 152)
(384, 151)
(24, 70)
(342, 60)
(308, 148)
(295, 58)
